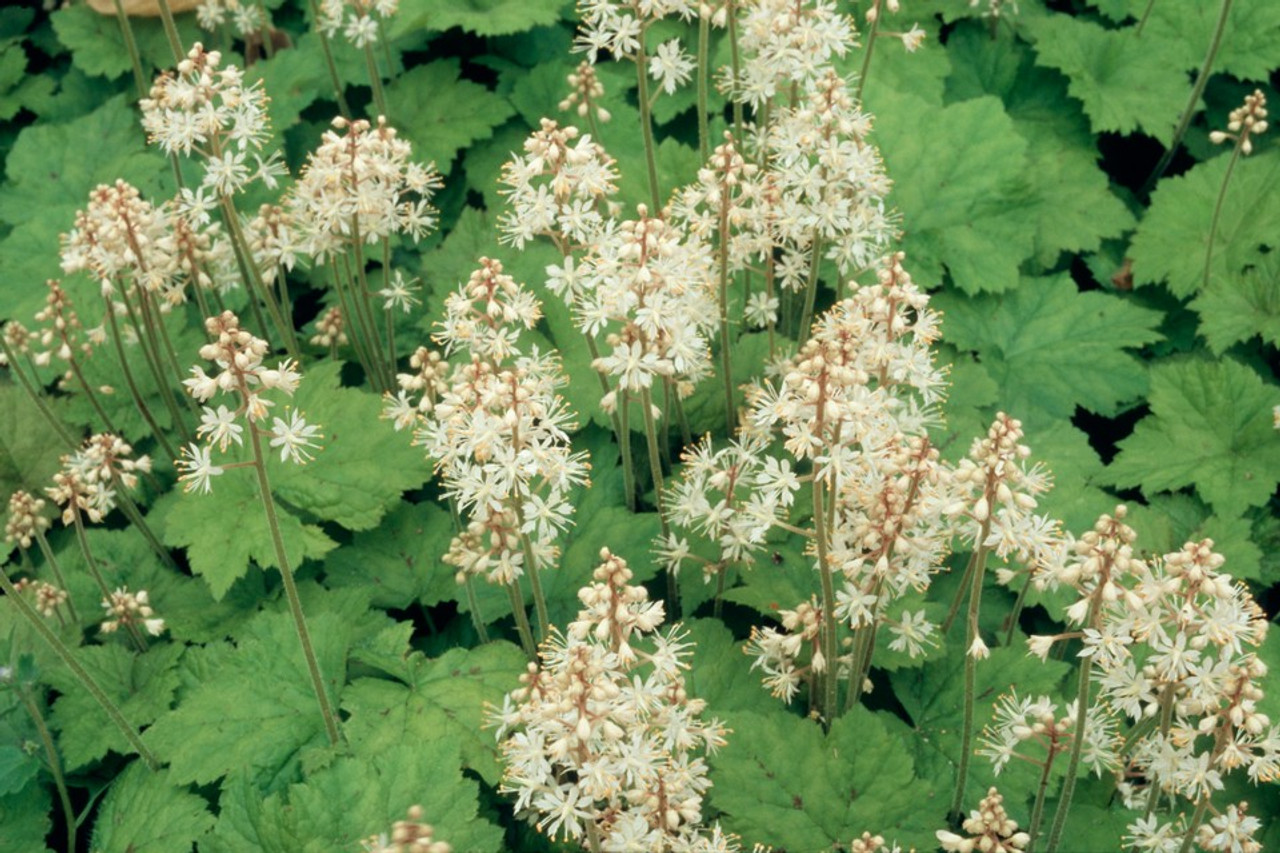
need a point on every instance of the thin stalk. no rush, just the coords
(375, 346)
(621, 429)
(93, 398)
(811, 288)
(357, 335)
(531, 562)
(522, 620)
(970, 669)
(704, 131)
(56, 568)
(1037, 810)
(171, 32)
(36, 397)
(391, 324)
(82, 539)
(865, 650)
(375, 80)
(131, 47)
(1166, 722)
(1188, 840)
(1197, 89)
(829, 695)
(646, 127)
(726, 363)
(55, 766)
(1077, 742)
(64, 653)
(735, 63)
(628, 463)
(468, 581)
(1142, 22)
(866, 57)
(954, 610)
(154, 317)
(291, 590)
(146, 342)
(1217, 212)
(686, 438)
(329, 63)
(655, 467)
(249, 270)
(1017, 611)
(134, 515)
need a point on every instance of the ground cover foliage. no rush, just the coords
(825, 601)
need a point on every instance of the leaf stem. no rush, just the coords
(55, 766)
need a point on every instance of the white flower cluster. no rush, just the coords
(243, 375)
(989, 828)
(830, 183)
(126, 608)
(730, 203)
(785, 42)
(556, 189)
(732, 496)
(496, 428)
(360, 187)
(26, 520)
(247, 16)
(359, 20)
(603, 740)
(778, 654)
(408, 836)
(89, 477)
(617, 27)
(1023, 722)
(655, 282)
(207, 109)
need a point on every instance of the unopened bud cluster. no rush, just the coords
(408, 836)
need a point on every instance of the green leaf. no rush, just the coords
(257, 711)
(220, 549)
(1072, 204)
(961, 206)
(374, 790)
(17, 768)
(1051, 348)
(363, 465)
(29, 449)
(1173, 237)
(25, 819)
(141, 685)
(145, 812)
(1210, 427)
(1168, 521)
(97, 46)
(933, 697)
(51, 170)
(721, 673)
(1248, 50)
(482, 17)
(787, 785)
(1126, 85)
(399, 561)
(457, 113)
(444, 701)
(1238, 307)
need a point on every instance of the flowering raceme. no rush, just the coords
(602, 741)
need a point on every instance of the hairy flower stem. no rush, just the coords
(1037, 810)
(970, 669)
(171, 32)
(655, 468)
(870, 42)
(621, 429)
(82, 675)
(386, 372)
(646, 127)
(735, 65)
(131, 511)
(131, 47)
(346, 301)
(329, 63)
(1166, 721)
(828, 694)
(726, 362)
(56, 568)
(375, 80)
(522, 620)
(1142, 21)
(36, 397)
(1188, 840)
(468, 581)
(253, 279)
(147, 343)
(704, 131)
(133, 386)
(1197, 89)
(291, 590)
(811, 286)
(1011, 623)
(1217, 209)
(1077, 742)
(154, 319)
(624, 444)
(92, 397)
(82, 539)
(55, 766)
(535, 582)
